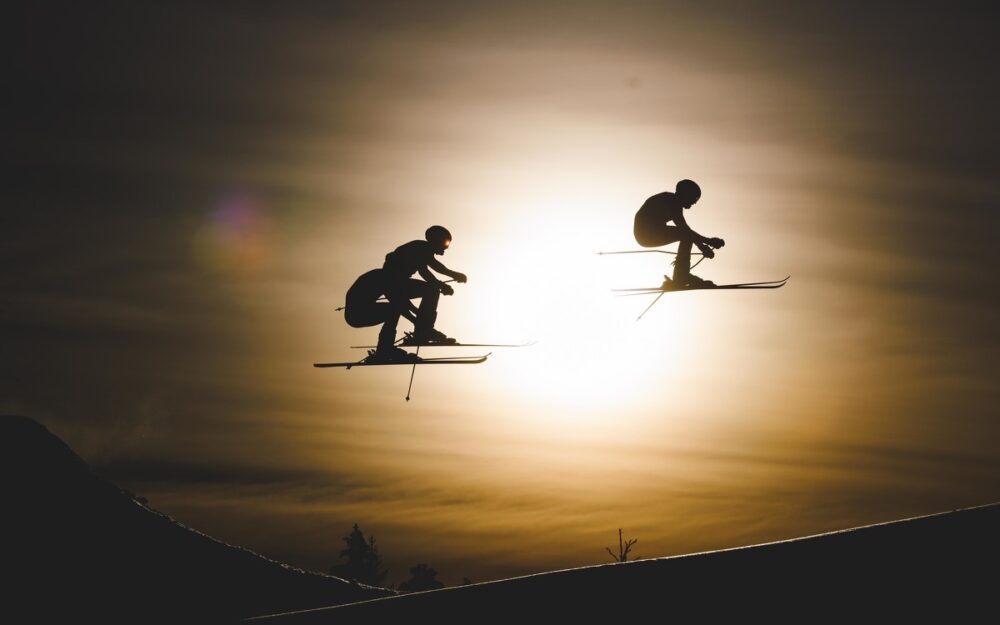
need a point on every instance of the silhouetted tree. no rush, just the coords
(421, 578)
(624, 547)
(363, 561)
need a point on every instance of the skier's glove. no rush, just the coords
(707, 251)
(461, 278)
(716, 242)
(446, 289)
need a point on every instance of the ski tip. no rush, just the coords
(524, 344)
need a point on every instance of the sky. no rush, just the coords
(193, 188)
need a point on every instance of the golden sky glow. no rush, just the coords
(177, 355)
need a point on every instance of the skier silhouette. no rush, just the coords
(651, 230)
(362, 308)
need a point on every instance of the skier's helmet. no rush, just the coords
(688, 190)
(439, 236)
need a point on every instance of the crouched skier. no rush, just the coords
(394, 281)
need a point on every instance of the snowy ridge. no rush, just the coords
(941, 564)
(79, 547)
(251, 552)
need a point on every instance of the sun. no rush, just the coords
(592, 356)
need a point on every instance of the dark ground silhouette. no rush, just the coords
(941, 567)
(76, 548)
(79, 549)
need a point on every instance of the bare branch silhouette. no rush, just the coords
(624, 547)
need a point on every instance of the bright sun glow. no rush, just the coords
(529, 215)
(592, 354)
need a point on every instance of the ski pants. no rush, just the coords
(665, 235)
(362, 308)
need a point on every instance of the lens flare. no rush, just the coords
(237, 236)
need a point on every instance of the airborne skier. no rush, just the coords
(393, 280)
(651, 229)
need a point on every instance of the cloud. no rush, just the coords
(846, 149)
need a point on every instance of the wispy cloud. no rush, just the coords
(197, 186)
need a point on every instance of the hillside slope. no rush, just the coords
(76, 545)
(943, 565)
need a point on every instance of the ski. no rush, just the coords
(457, 360)
(527, 344)
(645, 252)
(660, 291)
(768, 284)
(772, 285)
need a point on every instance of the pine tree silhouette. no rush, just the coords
(363, 564)
(422, 577)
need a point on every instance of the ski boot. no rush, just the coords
(430, 337)
(390, 354)
(692, 281)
